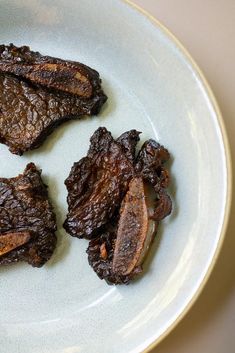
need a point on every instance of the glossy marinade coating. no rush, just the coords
(27, 221)
(38, 93)
(110, 204)
(97, 183)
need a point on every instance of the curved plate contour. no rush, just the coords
(153, 86)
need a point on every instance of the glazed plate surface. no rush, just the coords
(153, 86)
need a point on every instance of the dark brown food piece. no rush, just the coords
(97, 183)
(103, 266)
(27, 222)
(128, 140)
(63, 75)
(38, 93)
(149, 164)
(135, 231)
(123, 223)
(128, 242)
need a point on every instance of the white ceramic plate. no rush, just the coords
(153, 86)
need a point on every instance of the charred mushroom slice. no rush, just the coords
(38, 93)
(127, 245)
(135, 230)
(67, 76)
(96, 185)
(27, 222)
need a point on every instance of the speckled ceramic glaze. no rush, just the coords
(154, 87)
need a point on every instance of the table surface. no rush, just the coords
(207, 29)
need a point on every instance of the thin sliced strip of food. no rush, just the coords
(61, 76)
(13, 240)
(135, 230)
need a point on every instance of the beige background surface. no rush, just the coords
(207, 30)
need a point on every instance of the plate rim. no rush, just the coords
(228, 161)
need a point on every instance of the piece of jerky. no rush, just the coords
(117, 255)
(97, 183)
(123, 236)
(27, 221)
(38, 93)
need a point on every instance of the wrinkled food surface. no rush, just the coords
(27, 221)
(110, 202)
(97, 183)
(38, 93)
